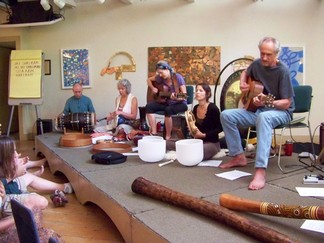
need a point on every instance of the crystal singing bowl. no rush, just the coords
(153, 137)
(189, 152)
(151, 150)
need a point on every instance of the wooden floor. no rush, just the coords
(74, 222)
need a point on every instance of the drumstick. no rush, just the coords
(166, 163)
(289, 211)
(105, 118)
(206, 208)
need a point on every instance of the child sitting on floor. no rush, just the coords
(16, 179)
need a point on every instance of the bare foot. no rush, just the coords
(36, 163)
(259, 179)
(237, 161)
(39, 172)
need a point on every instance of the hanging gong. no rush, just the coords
(231, 93)
(230, 97)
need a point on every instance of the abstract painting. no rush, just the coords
(195, 63)
(75, 67)
(293, 57)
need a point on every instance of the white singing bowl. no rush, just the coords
(152, 137)
(151, 150)
(189, 152)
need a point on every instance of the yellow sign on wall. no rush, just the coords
(25, 74)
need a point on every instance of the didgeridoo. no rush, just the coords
(145, 187)
(289, 211)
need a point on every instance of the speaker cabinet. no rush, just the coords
(44, 126)
(30, 12)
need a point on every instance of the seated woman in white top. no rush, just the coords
(126, 108)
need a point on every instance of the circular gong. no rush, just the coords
(230, 97)
(231, 93)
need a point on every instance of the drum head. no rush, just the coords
(83, 121)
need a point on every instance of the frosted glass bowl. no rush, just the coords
(152, 137)
(189, 152)
(151, 150)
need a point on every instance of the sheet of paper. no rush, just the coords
(212, 163)
(233, 175)
(310, 191)
(25, 74)
(313, 225)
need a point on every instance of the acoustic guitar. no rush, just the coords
(162, 95)
(246, 100)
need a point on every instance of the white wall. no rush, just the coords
(235, 25)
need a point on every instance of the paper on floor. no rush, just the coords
(212, 163)
(310, 191)
(313, 225)
(232, 175)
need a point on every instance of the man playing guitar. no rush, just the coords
(275, 78)
(165, 80)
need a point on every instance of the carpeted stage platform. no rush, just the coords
(141, 219)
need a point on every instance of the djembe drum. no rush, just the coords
(83, 121)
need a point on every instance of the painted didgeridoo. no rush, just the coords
(153, 190)
(288, 211)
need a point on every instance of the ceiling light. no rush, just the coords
(45, 4)
(60, 3)
(100, 1)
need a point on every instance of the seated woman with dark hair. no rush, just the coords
(166, 81)
(207, 124)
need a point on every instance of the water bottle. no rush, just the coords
(289, 148)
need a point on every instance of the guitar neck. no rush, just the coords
(166, 94)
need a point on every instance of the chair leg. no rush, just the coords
(247, 138)
(312, 144)
(280, 148)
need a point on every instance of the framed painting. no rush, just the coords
(293, 57)
(195, 63)
(75, 67)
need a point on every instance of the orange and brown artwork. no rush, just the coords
(195, 63)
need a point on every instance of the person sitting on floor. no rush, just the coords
(207, 124)
(34, 164)
(78, 102)
(123, 118)
(16, 179)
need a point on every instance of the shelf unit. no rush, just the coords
(31, 24)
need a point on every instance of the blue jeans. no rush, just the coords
(264, 119)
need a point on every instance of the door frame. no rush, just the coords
(15, 43)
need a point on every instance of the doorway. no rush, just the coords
(7, 44)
